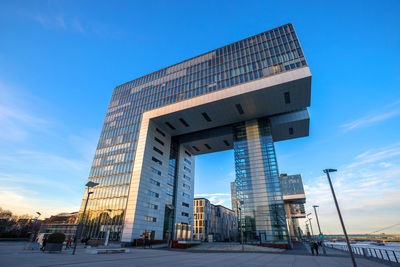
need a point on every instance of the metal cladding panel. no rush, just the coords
(291, 125)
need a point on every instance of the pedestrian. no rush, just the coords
(312, 247)
(44, 242)
(316, 247)
(145, 241)
(68, 243)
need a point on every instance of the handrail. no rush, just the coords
(384, 254)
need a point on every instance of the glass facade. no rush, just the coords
(291, 184)
(256, 57)
(263, 217)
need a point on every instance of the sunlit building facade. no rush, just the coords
(213, 222)
(294, 199)
(243, 96)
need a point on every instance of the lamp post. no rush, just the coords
(327, 171)
(79, 229)
(319, 228)
(307, 230)
(35, 231)
(241, 225)
(312, 232)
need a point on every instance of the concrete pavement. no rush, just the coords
(14, 255)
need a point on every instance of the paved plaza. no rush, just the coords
(12, 254)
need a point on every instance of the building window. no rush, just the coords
(187, 169)
(291, 131)
(186, 186)
(152, 206)
(185, 214)
(159, 141)
(186, 177)
(187, 161)
(158, 151)
(155, 171)
(157, 183)
(186, 195)
(185, 204)
(187, 153)
(150, 219)
(156, 160)
(153, 194)
(160, 132)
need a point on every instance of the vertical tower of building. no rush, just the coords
(257, 183)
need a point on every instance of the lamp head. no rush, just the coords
(330, 170)
(38, 213)
(315, 206)
(91, 184)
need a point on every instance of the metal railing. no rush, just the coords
(383, 254)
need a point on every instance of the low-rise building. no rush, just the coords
(213, 222)
(61, 223)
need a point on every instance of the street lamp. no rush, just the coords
(241, 225)
(327, 171)
(312, 232)
(319, 228)
(79, 229)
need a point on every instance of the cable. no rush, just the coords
(385, 228)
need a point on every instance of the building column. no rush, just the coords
(257, 183)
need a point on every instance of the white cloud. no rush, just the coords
(17, 117)
(21, 201)
(390, 111)
(367, 190)
(223, 199)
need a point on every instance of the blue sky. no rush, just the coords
(60, 60)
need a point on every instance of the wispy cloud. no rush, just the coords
(367, 190)
(59, 22)
(389, 111)
(16, 117)
(41, 166)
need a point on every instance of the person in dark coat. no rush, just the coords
(312, 247)
(316, 247)
(44, 242)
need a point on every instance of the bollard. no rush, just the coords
(364, 251)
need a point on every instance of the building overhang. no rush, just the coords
(256, 99)
(297, 199)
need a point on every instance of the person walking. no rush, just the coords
(68, 243)
(44, 242)
(316, 247)
(312, 247)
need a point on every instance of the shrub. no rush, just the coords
(57, 238)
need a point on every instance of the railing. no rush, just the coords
(383, 254)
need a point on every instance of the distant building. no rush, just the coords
(294, 199)
(61, 223)
(213, 221)
(234, 197)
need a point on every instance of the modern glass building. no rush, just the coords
(294, 199)
(244, 96)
